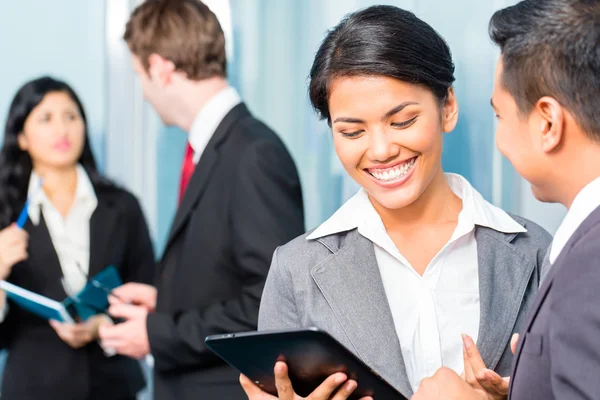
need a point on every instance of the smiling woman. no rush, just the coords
(414, 259)
(388, 135)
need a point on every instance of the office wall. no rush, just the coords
(63, 38)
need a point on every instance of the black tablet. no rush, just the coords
(311, 355)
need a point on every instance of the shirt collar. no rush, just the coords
(476, 211)
(210, 116)
(84, 193)
(481, 212)
(586, 201)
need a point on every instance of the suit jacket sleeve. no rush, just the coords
(140, 264)
(575, 326)
(266, 212)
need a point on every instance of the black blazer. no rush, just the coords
(40, 365)
(558, 356)
(243, 200)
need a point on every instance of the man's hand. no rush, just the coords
(139, 294)
(447, 385)
(481, 378)
(285, 391)
(80, 334)
(129, 338)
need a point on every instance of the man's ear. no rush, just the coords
(551, 116)
(450, 112)
(160, 70)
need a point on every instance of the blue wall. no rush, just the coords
(63, 38)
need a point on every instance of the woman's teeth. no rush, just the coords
(399, 171)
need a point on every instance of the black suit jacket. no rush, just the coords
(559, 348)
(40, 365)
(243, 200)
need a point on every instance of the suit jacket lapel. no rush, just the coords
(43, 253)
(592, 220)
(351, 283)
(204, 171)
(194, 191)
(539, 300)
(500, 267)
(533, 311)
(102, 224)
(44, 260)
(545, 265)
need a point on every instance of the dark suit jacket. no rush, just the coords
(559, 350)
(243, 201)
(40, 365)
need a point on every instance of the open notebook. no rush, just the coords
(91, 300)
(35, 303)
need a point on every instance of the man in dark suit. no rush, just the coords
(546, 96)
(240, 198)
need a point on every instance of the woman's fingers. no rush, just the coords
(329, 385)
(253, 391)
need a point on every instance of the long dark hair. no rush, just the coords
(15, 164)
(381, 41)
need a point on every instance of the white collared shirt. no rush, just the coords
(208, 119)
(431, 311)
(586, 201)
(70, 235)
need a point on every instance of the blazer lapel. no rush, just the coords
(204, 171)
(102, 224)
(539, 301)
(194, 191)
(500, 267)
(592, 220)
(351, 283)
(44, 260)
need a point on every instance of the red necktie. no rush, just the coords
(187, 170)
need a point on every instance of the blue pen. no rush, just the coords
(25, 211)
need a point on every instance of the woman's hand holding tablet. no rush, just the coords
(285, 391)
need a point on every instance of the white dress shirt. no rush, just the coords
(586, 201)
(431, 311)
(208, 119)
(70, 235)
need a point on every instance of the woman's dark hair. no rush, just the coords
(15, 164)
(384, 41)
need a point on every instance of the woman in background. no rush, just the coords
(417, 257)
(79, 223)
